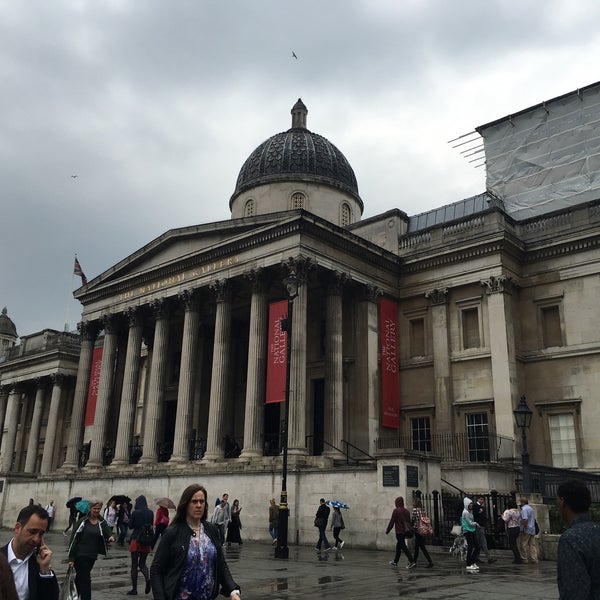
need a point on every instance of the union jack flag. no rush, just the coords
(77, 270)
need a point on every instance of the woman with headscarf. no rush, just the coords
(400, 521)
(469, 526)
(140, 516)
(189, 562)
(90, 538)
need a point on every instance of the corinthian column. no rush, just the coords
(189, 351)
(12, 422)
(297, 395)
(503, 352)
(441, 359)
(50, 441)
(334, 396)
(88, 337)
(158, 375)
(257, 364)
(220, 371)
(34, 433)
(4, 389)
(130, 387)
(105, 391)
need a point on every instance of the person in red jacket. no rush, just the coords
(401, 522)
(161, 522)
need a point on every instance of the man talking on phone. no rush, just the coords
(29, 557)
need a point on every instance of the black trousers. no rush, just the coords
(83, 576)
(401, 546)
(513, 534)
(420, 544)
(473, 547)
(138, 561)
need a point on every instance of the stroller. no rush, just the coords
(460, 546)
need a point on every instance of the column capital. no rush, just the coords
(133, 314)
(57, 379)
(371, 292)
(160, 308)
(110, 323)
(258, 279)
(300, 265)
(222, 290)
(498, 285)
(437, 296)
(88, 330)
(334, 282)
(190, 299)
(40, 382)
(5, 389)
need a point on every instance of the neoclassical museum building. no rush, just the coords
(411, 339)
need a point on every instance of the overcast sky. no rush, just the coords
(155, 105)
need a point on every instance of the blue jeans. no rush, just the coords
(323, 538)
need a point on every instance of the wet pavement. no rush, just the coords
(350, 574)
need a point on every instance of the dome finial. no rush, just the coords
(299, 112)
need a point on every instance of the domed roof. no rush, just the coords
(7, 327)
(297, 154)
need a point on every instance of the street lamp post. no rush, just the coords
(291, 284)
(523, 419)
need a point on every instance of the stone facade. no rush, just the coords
(489, 308)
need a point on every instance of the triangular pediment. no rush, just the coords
(178, 244)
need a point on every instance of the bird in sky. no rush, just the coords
(294, 55)
(74, 176)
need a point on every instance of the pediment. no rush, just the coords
(176, 245)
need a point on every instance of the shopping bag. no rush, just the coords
(68, 589)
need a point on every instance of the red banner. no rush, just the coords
(90, 410)
(277, 353)
(390, 384)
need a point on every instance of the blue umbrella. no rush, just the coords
(337, 504)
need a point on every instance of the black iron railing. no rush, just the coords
(455, 446)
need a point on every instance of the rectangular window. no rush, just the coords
(470, 328)
(562, 441)
(421, 434)
(417, 337)
(551, 332)
(478, 438)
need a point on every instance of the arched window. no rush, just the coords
(298, 200)
(249, 208)
(346, 216)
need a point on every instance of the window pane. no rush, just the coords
(421, 434)
(470, 323)
(478, 437)
(551, 326)
(562, 440)
(417, 337)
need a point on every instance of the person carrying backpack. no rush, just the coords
(422, 525)
(141, 542)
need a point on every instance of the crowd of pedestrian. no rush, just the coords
(190, 561)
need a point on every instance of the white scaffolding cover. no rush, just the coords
(547, 157)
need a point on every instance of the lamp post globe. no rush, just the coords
(523, 419)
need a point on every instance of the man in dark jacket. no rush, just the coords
(29, 557)
(578, 561)
(481, 518)
(321, 522)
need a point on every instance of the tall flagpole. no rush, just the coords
(69, 300)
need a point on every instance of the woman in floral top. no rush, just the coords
(512, 522)
(189, 563)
